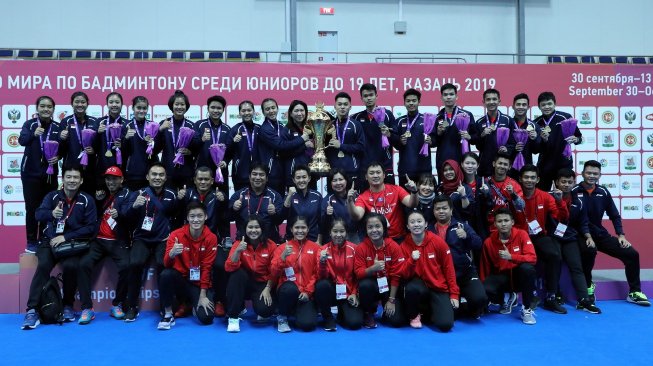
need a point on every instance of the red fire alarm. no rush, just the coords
(327, 11)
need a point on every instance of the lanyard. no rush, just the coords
(546, 123)
(70, 208)
(106, 132)
(174, 136)
(341, 136)
(453, 115)
(47, 136)
(411, 123)
(260, 201)
(215, 138)
(249, 138)
(78, 130)
(496, 121)
(342, 257)
(109, 203)
(136, 128)
(278, 127)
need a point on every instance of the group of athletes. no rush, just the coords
(427, 247)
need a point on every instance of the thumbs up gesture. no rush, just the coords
(286, 251)
(505, 253)
(460, 231)
(130, 133)
(206, 136)
(242, 245)
(379, 265)
(177, 248)
(57, 213)
(140, 200)
(239, 203)
(181, 193)
(329, 208)
(351, 194)
(323, 256)
(271, 208)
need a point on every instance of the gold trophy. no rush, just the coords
(319, 123)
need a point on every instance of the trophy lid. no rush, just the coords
(319, 113)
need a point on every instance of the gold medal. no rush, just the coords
(530, 128)
(341, 154)
(407, 134)
(108, 154)
(547, 129)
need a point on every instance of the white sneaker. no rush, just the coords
(262, 319)
(528, 316)
(234, 325)
(282, 324)
(167, 322)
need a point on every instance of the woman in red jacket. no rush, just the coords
(378, 265)
(430, 274)
(189, 255)
(295, 265)
(249, 264)
(337, 285)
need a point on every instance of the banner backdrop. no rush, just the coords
(612, 103)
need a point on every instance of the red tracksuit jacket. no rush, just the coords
(256, 261)
(339, 266)
(519, 245)
(434, 266)
(389, 251)
(198, 252)
(304, 261)
(542, 204)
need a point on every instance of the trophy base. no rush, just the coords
(319, 164)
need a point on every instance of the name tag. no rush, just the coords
(383, 284)
(534, 227)
(194, 273)
(560, 230)
(290, 273)
(61, 225)
(147, 223)
(341, 291)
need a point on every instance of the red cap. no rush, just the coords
(114, 170)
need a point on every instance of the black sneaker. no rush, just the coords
(552, 305)
(330, 324)
(131, 315)
(587, 305)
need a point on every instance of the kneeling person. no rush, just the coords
(189, 255)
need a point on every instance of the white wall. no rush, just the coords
(552, 26)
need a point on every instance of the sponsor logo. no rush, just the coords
(631, 208)
(604, 162)
(625, 186)
(649, 162)
(9, 189)
(648, 208)
(12, 140)
(13, 115)
(630, 162)
(607, 117)
(649, 185)
(630, 139)
(15, 213)
(630, 117)
(608, 140)
(585, 118)
(13, 165)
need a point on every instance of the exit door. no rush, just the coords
(327, 46)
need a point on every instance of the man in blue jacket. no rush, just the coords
(462, 239)
(150, 211)
(553, 142)
(68, 214)
(448, 136)
(484, 132)
(347, 144)
(598, 201)
(410, 129)
(373, 131)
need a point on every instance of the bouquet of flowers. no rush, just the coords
(521, 137)
(568, 128)
(379, 117)
(87, 140)
(151, 129)
(462, 123)
(115, 129)
(183, 141)
(217, 155)
(429, 123)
